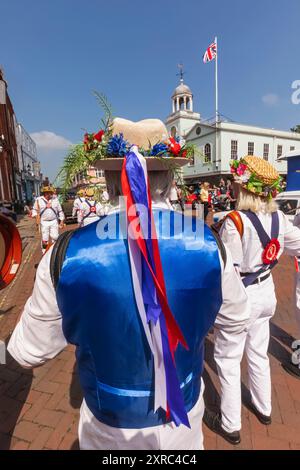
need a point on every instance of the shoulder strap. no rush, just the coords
(236, 218)
(221, 246)
(58, 255)
(263, 236)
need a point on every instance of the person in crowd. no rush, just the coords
(173, 196)
(204, 198)
(77, 205)
(192, 197)
(222, 187)
(49, 216)
(256, 236)
(231, 195)
(293, 367)
(91, 210)
(126, 309)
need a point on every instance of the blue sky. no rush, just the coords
(55, 52)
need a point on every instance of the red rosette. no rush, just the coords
(271, 251)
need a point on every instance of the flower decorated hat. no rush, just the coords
(256, 175)
(149, 135)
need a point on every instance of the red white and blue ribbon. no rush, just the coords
(162, 331)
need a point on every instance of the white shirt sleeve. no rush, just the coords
(232, 239)
(235, 310)
(38, 336)
(99, 209)
(291, 237)
(34, 211)
(61, 214)
(75, 208)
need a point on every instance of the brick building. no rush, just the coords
(10, 173)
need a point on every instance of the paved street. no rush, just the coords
(39, 408)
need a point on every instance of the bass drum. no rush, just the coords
(10, 251)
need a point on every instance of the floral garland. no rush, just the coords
(251, 182)
(103, 144)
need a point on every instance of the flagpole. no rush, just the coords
(216, 81)
(217, 104)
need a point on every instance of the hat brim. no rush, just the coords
(153, 163)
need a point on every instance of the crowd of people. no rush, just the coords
(210, 196)
(128, 311)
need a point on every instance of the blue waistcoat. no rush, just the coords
(100, 317)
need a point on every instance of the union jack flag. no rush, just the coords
(210, 53)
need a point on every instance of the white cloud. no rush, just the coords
(47, 140)
(271, 99)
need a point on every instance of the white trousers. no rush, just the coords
(94, 435)
(49, 229)
(254, 341)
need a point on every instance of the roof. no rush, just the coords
(182, 89)
(293, 154)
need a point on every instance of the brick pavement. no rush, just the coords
(39, 408)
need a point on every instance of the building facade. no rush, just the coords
(93, 177)
(220, 142)
(31, 176)
(10, 174)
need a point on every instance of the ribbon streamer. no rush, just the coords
(165, 332)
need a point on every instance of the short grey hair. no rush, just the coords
(160, 184)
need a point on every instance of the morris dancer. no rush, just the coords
(77, 205)
(91, 210)
(49, 215)
(256, 235)
(120, 300)
(293, 368)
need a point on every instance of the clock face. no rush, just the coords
(198, 130)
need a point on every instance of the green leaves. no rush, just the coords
(107, 109)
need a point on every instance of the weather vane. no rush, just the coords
(181, 72)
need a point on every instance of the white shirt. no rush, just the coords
(173, 194)
(41, 318)
(53, 211)
(105, 196)
(247, 252)
(77, 205)
(86, 212)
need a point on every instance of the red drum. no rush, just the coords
(10, 251)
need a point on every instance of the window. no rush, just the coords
(198, 130)
(191, 159)
(292, 148)
(99, 173)
(173, 131)
(207, 153)
(279, 151)
(266, 151)
(234, 149)
(250, 148)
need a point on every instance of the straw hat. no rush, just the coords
(145, 133)
(262, 169)
(48, 189)
(256, 175)
(90, 192)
